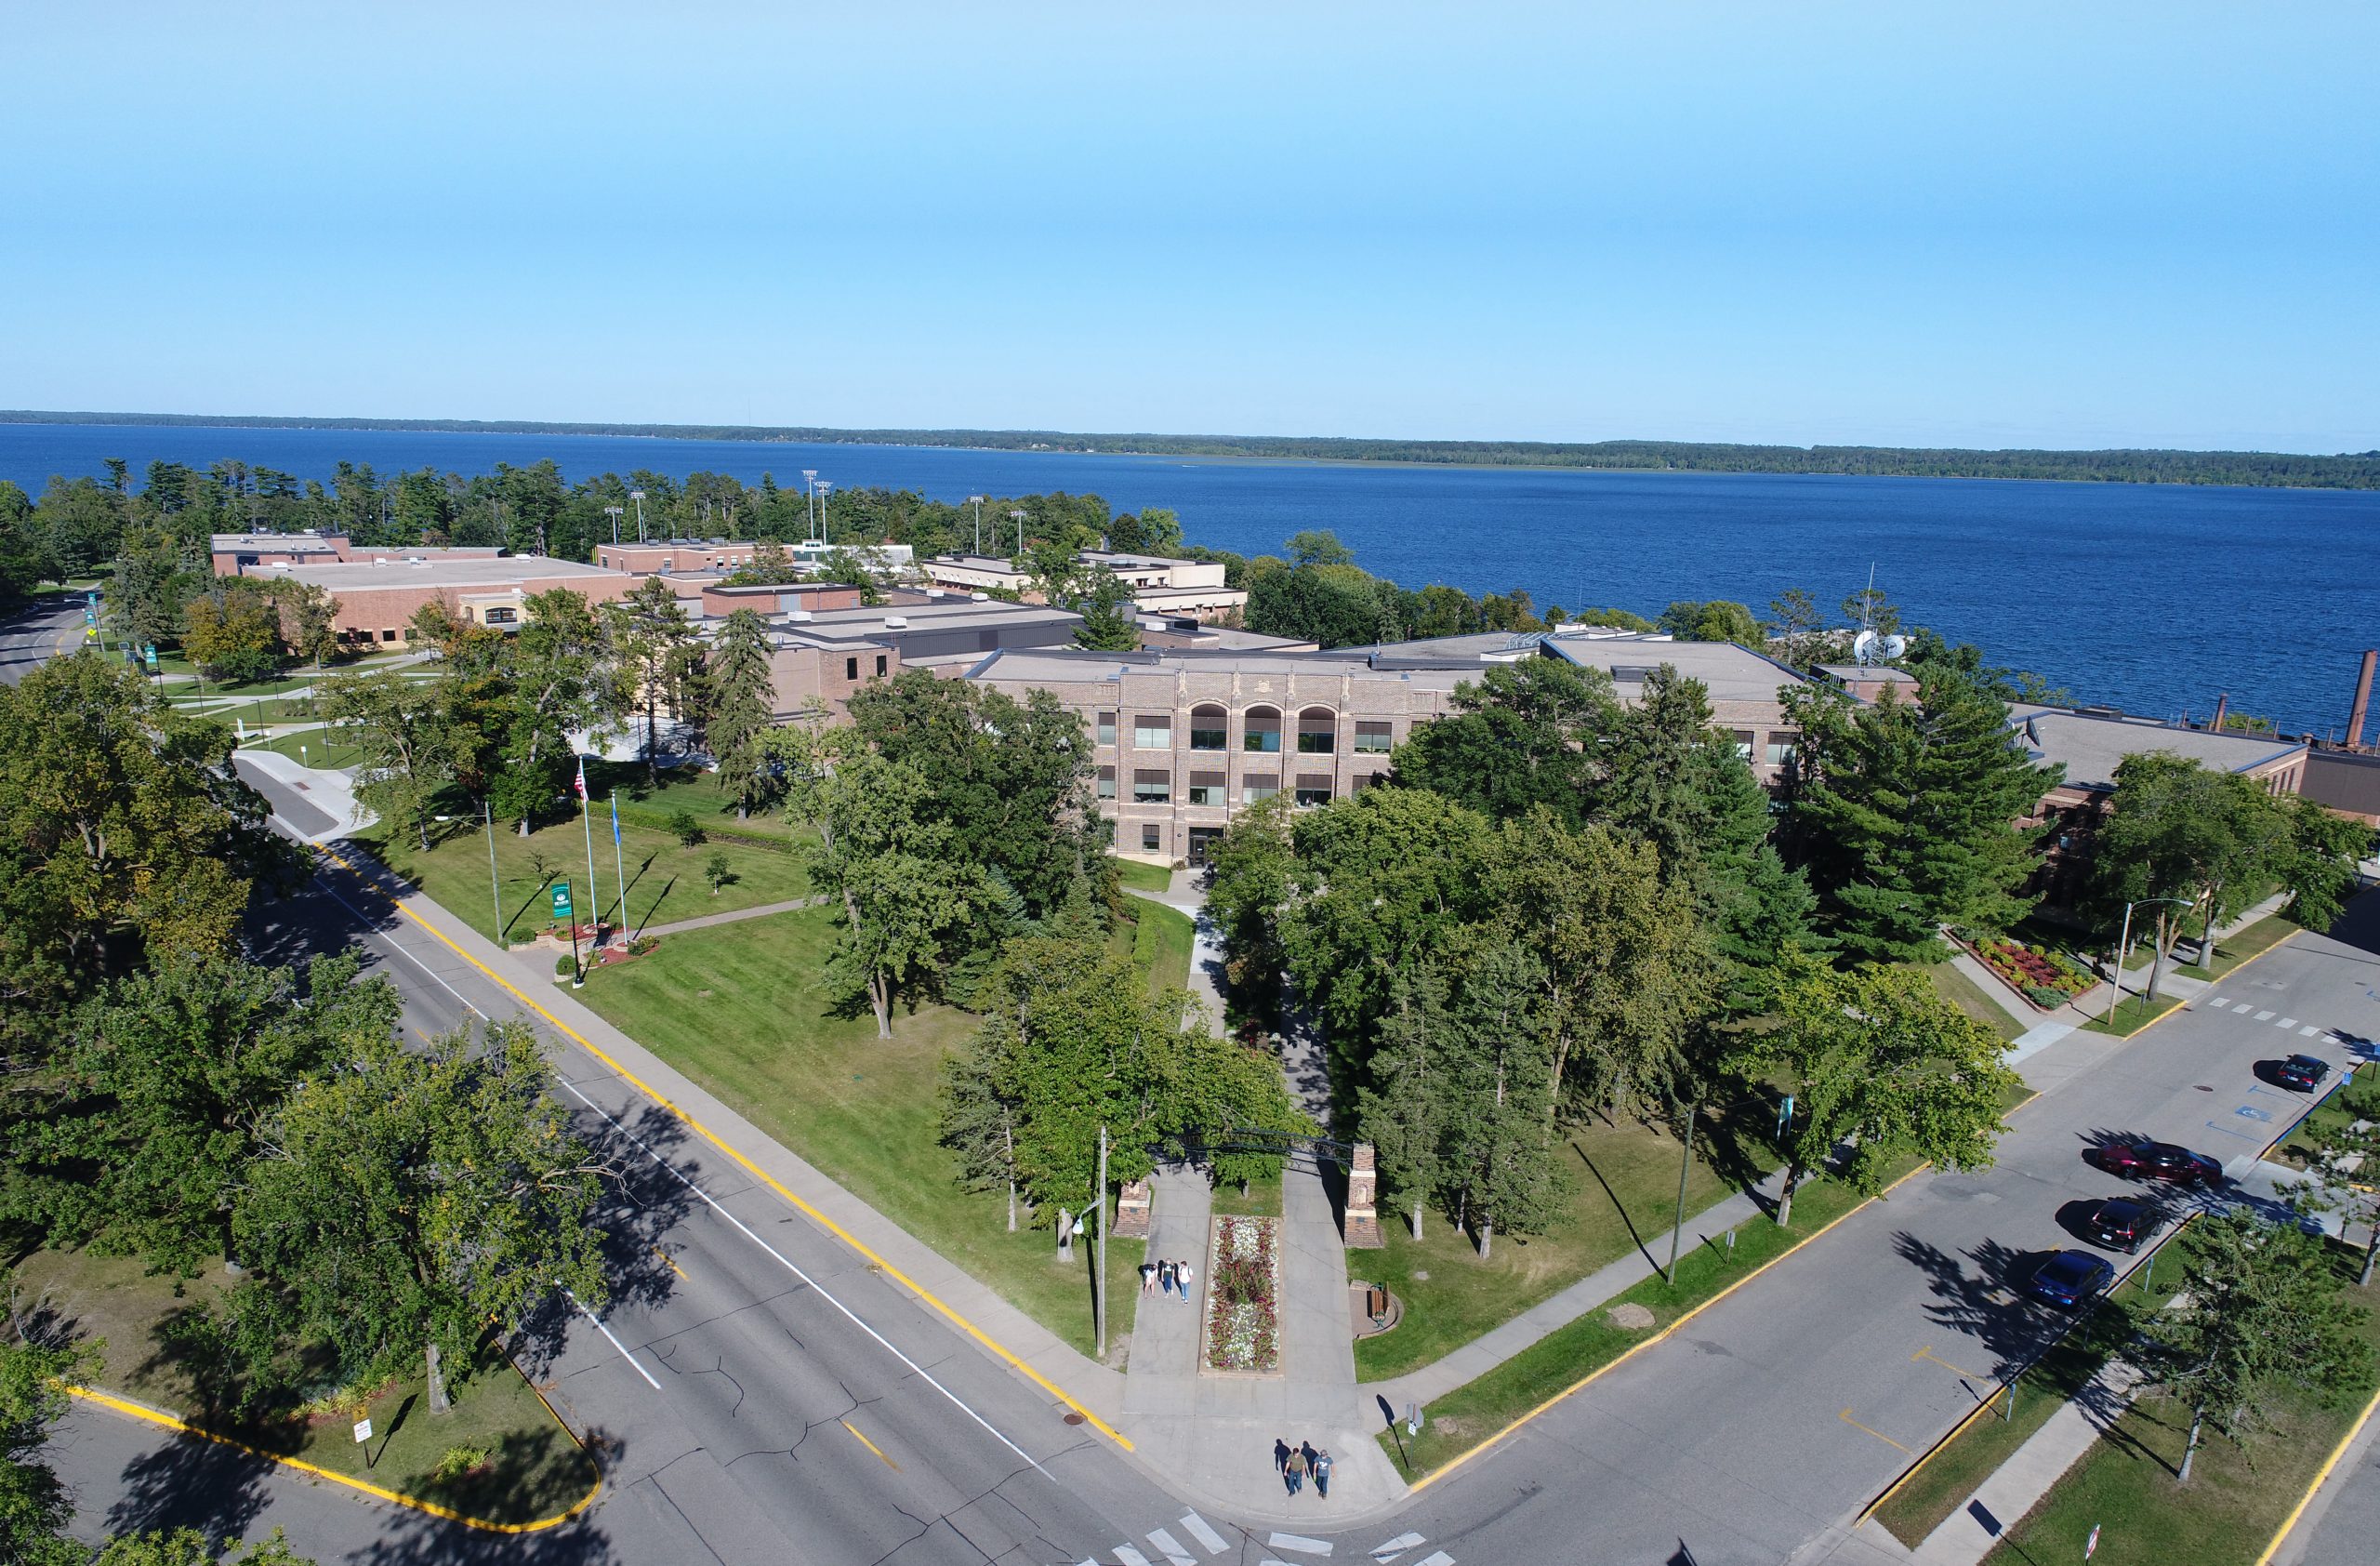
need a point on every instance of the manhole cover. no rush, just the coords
(1074, 1418)
(1631, 1317)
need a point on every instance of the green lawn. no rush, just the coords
(1970, 998)
(2358, 1098)
(1959, 1470)
(2253, 941)
(1475, 1413)
(314, 746)
(1620, 1188)
(665, 879)
(2132, 1014)
(1137, 877)
(1262, 1199)
(2229, 1510)
(740, 1008)
(1161, 942)
(536, 1468)
(696, 793)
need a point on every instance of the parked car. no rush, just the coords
(2304, 1073)
(2159, 1160)
(2068, 1279)
(2120, 1224)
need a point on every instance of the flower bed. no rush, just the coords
(1243, 1324)
(2046, 978)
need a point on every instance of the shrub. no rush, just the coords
(457, 1461)
(684, 828)
(716, 870)
(643, 944)
(2047, 997)
(566, 965)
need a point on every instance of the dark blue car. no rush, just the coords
(2067, 1279)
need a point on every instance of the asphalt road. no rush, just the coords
(29, 638)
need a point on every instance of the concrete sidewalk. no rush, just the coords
(759, 910)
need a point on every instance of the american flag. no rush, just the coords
(582, 780)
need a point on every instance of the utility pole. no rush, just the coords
(977, 501)
(1685, 1163)
(495, 895)
(826, 487)
(809, 501)
(1099, 1253)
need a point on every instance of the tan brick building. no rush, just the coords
(1186, 738)
(378, 597)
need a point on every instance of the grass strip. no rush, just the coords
(1163, 937)
(1134, 876)
(2133, 1014)
(1557, 1365)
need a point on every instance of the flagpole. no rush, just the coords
(587, 820)
(618, 870)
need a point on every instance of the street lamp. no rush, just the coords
(1018, 517)
(808, 493)
(615, 512)
(825, 487)
(977, 501)
(638, 496)
(2115, 979)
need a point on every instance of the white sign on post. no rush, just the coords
(363, 1431)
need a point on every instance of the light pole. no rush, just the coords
(496, 897)
(825, 487)
(638, 496)
(1099, 1251)
(615, 512)
(977, 501)
(2115, 980)
(809, 490)
(1018, 517)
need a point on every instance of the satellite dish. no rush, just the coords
(1894, 647)
(1863, 647)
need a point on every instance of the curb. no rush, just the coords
(146, 1414)
(1005, 1354)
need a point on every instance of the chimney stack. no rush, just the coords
(2222, 704)
(2362, 701)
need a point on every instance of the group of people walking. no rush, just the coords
(1172, 1277)
(1297, 1462)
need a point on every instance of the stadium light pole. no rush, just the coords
(809, 499)
(977, 501)
(615, 512)
(638, 496)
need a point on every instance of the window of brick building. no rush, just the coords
(1107, 728)
(1209, 728)
(1314, 789)
(1258, 786)
(850, 671)
(1152, 731)
(1372, 737)
(1152, 837)
(1208, 788)
(1152, 786)
(1107, 782)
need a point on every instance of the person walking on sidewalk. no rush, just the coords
(1294, 1471)
(1322, 1474)
(1182, 1272)
(1148, 1278)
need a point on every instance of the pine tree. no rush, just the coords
(1503, 1144)
(1406, 1114)
(742, 695)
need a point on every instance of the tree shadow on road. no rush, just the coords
(190, 1483)
(1976, 1298)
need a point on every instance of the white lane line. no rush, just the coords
(1437, 1558)
(1208, 1540)
(1171, 1548)
(1128, 1555)
(1397, 1545)
(916, 1369)
(1297, 1542)
(607, 1332)
(2220, 1001)
(435, 976)
(2286, 1022)
(2263, 1017)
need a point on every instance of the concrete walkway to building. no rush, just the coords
(759, 910)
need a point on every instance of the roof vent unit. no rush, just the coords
(981, 597)
(800, 616)
(936, 593)
(896, 622)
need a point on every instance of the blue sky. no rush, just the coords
(2051, 225)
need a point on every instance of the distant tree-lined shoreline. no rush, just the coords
(2265, 469)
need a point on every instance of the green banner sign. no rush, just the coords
(561, 900)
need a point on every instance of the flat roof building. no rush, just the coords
(826, 654)
(664, 556)
(378, 597)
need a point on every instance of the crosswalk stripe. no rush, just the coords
(2307, 1032)
(1297, 1542)
(1130, 1557)
(1208, 1540)
(2220, 1001)
(2286, 1022)
(1397, 1545)
(1436, 1557)
(1171, 1548)
(2263, 1017)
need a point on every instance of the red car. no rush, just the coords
(2159, 1160)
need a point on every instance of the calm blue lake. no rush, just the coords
(2152, 598)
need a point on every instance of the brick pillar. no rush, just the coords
(1362, 1228)
(1132, 1210)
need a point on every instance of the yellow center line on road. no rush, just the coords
(1929, 1354)
(869, 1444)
(1878, 1434)
(672, 1264)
